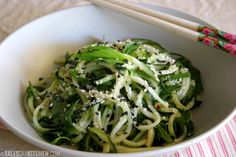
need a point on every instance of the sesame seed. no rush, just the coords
(125, 60)
(122, 100)
(124, 113)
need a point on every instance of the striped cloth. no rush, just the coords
(220, 144)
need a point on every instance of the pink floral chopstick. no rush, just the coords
(217, 39)
(189, 29)
(230, 38)
(218, 44)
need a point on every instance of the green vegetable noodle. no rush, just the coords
(114, 97)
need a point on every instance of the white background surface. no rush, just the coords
(14, 13)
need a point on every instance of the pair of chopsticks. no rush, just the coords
(192, 30)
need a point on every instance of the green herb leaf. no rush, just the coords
(108, 54)
(163, 134)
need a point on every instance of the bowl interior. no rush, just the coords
(29, 53)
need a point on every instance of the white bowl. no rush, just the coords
(29, 53)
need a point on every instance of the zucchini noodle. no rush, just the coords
(123, 96)
(133, 143)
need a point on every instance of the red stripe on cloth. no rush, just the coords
(189, 152)
(231, 136)
(234, 119)
(222, 144)
(209, 142)
(177, 154)
(199, 147)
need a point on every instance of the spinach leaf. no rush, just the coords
(50, 136)
(58, 110)
(167, 91)
(195, 75)
(131, 48)
(106, 86)
(179, 124)
(162, 133)
(69, 129)
(190, 128)
(184, 121)
(176, 76)
(187, 115)
(140, 118)
(61, 117)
